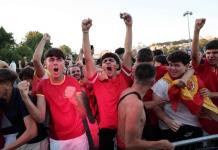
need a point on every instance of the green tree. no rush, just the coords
(24, 51)
(32, 39)
(202, 43)
(6, 39)
(65, 49)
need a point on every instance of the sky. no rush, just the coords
(153, 20)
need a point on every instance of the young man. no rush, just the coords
(132, 115)
(12, 105)
(151, 129)
(181, 123)
(62, 95)
(107, 91)
(207, 70)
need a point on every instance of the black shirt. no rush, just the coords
(15, 110)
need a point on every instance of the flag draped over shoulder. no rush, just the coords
(189, 95)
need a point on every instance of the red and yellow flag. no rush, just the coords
(189, 95)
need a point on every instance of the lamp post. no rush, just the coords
(187, 13)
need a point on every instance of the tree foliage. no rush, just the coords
(65, 49)
(6, 39)
(32, 39)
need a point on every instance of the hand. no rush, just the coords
(126, 18)
(180, 83)
(199, 23)
(46, 37)
(23, 87)
(205, 92)
(69, 93)
(102, 75)
(173, 124)
(86, 24)
(166, 145)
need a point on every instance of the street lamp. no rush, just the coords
(187, 13)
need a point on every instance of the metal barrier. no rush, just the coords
(197, 140)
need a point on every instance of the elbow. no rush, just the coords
(131, 145)
(40, 119)
(33, 132)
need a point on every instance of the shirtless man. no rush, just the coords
(131, 113)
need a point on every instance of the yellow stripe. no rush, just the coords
(188, 94)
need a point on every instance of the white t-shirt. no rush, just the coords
(181, 115)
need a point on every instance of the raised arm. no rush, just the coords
(199, 23)
(37, 56)
(37, 112)
(90, 64)
(127, 57)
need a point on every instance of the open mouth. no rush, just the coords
(109, 68)
(55, 69)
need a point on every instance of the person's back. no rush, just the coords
(132, 114)
(129, 102)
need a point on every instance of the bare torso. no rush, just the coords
(125, 107)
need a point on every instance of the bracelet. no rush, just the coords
(86, 31)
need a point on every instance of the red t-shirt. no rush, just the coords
(66, 122)
(107, 93)
(209, 75)
(160, 72)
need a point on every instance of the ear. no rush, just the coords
(187, 66)
(117, 66)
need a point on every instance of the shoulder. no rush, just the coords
(130, 99)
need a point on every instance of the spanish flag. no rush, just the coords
(189, 95)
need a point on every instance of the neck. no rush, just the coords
(141, 89)
(57, 79)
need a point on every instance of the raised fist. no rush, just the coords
(199, 23)
(23, 87)
(126, 18)
(86, 24)
(46, 37)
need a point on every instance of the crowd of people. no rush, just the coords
(126, 100)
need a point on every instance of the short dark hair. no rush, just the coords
(212, 45)
(7, 75)
(158, 52)
(120, 51)
(145, 55)
(54, 52)
(113, 55)
(26, 73)
(144, 73)
(161, 59)
(179, 56)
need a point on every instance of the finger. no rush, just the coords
(176, 126)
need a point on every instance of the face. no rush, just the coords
(75, 72)
(212, 57)
(109, 65)
(4, 90)
(55, 66)
(177, 69)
